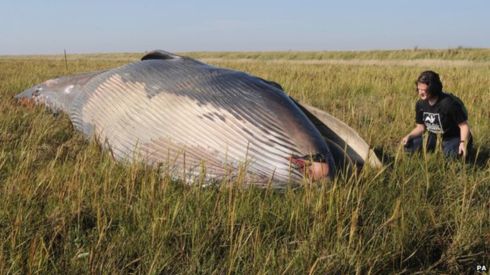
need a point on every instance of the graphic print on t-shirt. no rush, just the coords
(433, 123)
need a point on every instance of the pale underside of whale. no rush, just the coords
(199, 120)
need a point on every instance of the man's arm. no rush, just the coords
(464, 137)
(416, 132)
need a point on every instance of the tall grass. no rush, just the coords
(67, 207)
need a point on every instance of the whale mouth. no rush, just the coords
(26, 102)
(314, 167)
(26, 98)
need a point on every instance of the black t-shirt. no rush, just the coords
(443, 117)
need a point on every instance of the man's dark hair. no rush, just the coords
(431, 79)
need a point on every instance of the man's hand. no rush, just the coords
(462, 149)
(405, 139)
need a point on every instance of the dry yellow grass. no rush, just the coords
(67, 207)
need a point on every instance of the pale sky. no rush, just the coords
(49, 27)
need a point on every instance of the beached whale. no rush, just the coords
(198, 120)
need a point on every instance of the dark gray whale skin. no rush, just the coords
(193, 119)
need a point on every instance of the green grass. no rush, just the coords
(67, 207)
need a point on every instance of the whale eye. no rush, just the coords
(37, 92)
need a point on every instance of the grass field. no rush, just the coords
(67, 207)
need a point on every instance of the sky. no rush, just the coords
(50, 27)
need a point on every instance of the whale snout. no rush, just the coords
(27, 97)
(28, 93)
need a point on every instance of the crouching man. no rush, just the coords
(439, 113)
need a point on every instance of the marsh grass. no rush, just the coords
(67, 207)
(406, 54)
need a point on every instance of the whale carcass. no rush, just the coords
(200, 120)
